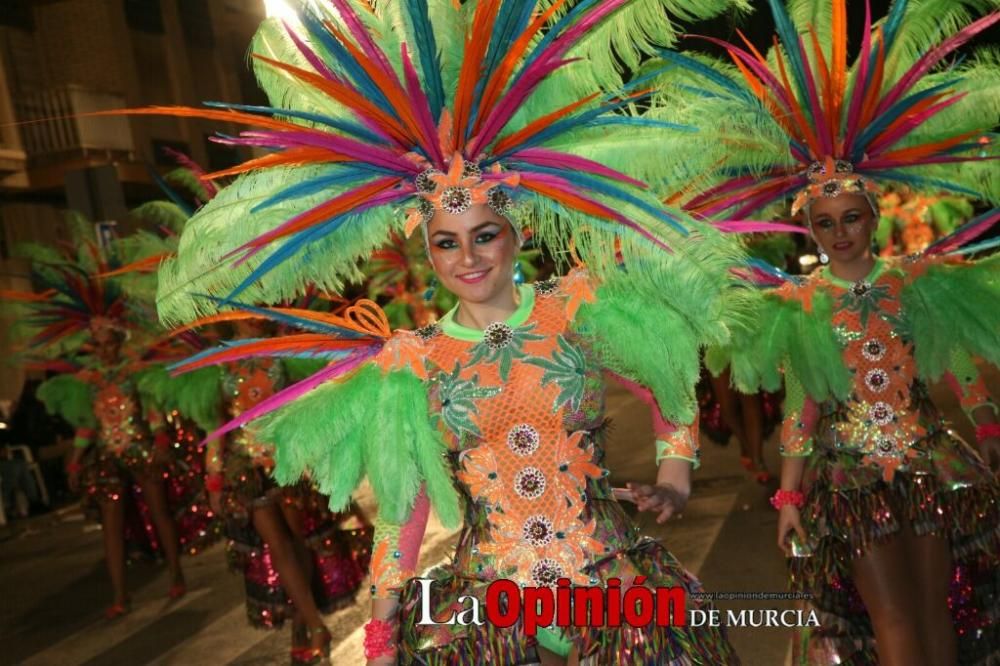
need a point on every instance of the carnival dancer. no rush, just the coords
(122, 437)
(891, 522)
(476, 119)
(297, 558)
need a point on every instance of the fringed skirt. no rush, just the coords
(340, 544)
(946, 491)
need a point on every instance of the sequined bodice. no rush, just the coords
(880, 419)
(246, 384)
(118, 411)
(520, 410)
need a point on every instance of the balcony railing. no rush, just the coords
(63, 132)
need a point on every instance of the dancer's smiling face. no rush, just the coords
(843, 226)
(473, 253)
(107, 344)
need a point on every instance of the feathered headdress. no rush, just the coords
(383, 112)
(70, 302)
(801, 122)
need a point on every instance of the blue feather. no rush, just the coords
(287, 319)
(172, 194)
(608, 188)
(929, 183)
(427, 54)
(638, 121)
(563, 126)
(893, 21)
(511, 20)
(343, 57)
(312, 186)
(706, 72)
(553, 32)
(790, 39)
(978, 247)
(889, 116)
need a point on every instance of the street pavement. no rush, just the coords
(54, 584)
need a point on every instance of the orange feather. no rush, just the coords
(538, 125)
(331, 208)
(925, 149)
(345, 95)
(502, 74)
(297, 155)
(476, 42)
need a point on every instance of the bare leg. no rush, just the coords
(294, 519)
(932, 568)
(156, 497)
(752, 413)
(270, 525)
(728, 405)
(885, 578)
(113, 529)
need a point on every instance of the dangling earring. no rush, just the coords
(518, 273)
(823, 257)
(431, 288)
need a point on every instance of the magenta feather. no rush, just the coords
(422, 111)
(932, 57)
(357, 150)
(562, 185)
(762, 72)
(509, 104)
(882, 143)
(965, 234)
(553, 158)
(860, 82)
(294, 391)
(311, 56)
(254, 246)
(364, 40)
(756, 226)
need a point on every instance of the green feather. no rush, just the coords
(69, 397)
(365, 424)
(954, 306)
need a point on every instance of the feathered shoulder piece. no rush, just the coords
(801, 121)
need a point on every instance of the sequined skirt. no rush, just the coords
(945, 491)
(439, 645)
(340, 544)
(115, 476)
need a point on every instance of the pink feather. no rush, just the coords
(934, 56)
(553, 158)
(860, 82)
(294, 391)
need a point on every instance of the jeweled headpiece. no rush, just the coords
(832, 178)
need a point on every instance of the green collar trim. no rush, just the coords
(453, 329)
(873, 275)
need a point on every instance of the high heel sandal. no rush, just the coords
(115, 611)
(176, 591)
(311, 656)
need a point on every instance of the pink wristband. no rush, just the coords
(378, 639)
(783, 497)
(987, 430)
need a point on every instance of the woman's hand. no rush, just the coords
(662, 498)
(789, 519)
